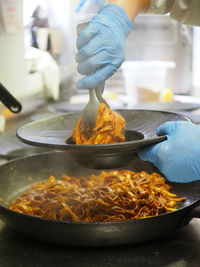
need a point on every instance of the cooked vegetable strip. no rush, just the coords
(109, 128)
(110, 196)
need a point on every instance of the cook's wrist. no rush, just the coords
(132, 7)
(117, 16)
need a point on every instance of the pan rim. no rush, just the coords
(104, 147)
(195, 203)
(90, 148)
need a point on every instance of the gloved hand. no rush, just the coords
(101, 46)
(178, 158)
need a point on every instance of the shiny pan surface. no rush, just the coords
(140, 131)
(18, 175)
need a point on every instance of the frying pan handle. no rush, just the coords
(8, 100)
(195, 213)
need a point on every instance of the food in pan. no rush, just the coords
(118, 195)
(109, 128)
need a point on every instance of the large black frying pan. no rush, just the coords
(18, 175)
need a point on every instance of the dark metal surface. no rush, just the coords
(18, 175)
(53, 133)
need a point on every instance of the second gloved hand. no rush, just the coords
(101, 46)
(178, 158)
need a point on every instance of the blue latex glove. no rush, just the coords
(178, 158)
(101, 46)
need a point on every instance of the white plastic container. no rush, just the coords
(144, 74)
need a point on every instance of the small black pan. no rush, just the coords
(20, 174)
(55, 133)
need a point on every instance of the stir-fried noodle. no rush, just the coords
(110, 196)
(109, 128)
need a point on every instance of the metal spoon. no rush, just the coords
(89, 113)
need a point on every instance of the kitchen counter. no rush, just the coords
(180, 249)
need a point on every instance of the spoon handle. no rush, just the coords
(9, 100)
(99, 96)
